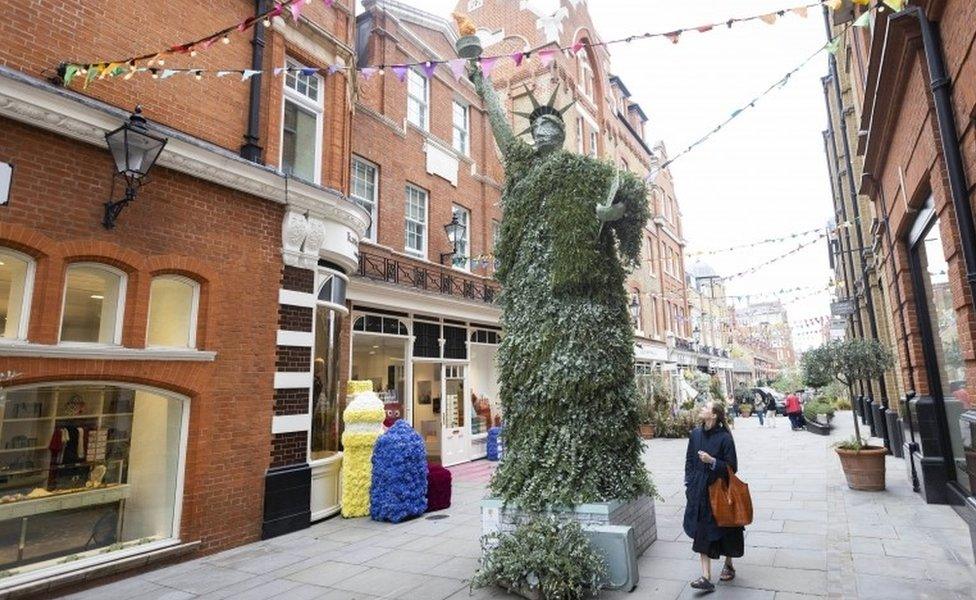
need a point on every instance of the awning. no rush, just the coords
(649, 353)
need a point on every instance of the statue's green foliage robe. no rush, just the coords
(567, 358)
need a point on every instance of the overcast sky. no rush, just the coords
(763, 175)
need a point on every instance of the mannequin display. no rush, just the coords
(363, 424)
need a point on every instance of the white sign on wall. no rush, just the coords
(6, 177)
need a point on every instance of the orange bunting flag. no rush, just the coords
(769, 18)
(801, 11)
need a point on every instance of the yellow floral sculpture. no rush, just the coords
(363, 424)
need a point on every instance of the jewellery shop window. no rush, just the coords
(85, 469)
(483, 377)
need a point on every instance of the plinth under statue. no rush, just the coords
(572, 228)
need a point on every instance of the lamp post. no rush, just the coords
(135, 151)
(455, 231)
(635, 310)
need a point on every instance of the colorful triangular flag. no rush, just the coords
(248, 73)
(673, 37)
(400, 71)
(768, 18)
(167, 73)
(69, 73)
(801, 11)
(864, 20)
(895, 5)
(334, 68)
(487, 64)
(546, 56)
(834, 4)
(296, 8)
(457, 67)
(517, 58)
(368, 72)
(278, 70)
(223, 73)
(429, 68)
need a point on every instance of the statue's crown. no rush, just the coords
(541, 110)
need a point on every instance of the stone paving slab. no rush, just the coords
(812, 538)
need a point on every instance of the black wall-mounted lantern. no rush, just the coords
(455, 231)
(135, 150)
(635, 309)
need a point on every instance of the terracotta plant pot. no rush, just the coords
(865, 470)
(646, 431)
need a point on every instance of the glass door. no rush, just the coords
(454, 436)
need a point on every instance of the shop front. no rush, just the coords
(87, 468)
(437, 374)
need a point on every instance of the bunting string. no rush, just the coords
(154, 62)
(775, 259)
(772, 240)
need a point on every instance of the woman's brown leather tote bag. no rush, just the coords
(731, 502)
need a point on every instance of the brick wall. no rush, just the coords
(298, 280)
(228, 241)
(295, 318)
(293, 401)
(293, 359)
(212, 109)
(288, 448)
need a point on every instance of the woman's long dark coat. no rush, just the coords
(718, 442)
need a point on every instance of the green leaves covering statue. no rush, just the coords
(572, 228)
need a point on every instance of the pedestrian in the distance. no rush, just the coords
(771, 410)
(711, 451)
(759, 407)
(794, 410)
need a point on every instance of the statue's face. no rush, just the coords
(548, 133)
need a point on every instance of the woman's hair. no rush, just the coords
(721, 419)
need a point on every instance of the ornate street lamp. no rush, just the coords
(455, 231)
(635, 310)
(135, 151)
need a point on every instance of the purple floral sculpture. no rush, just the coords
(399, 489)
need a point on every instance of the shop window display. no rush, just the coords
(934, 273)
(326, 413)
(382, 360)
(85, 468)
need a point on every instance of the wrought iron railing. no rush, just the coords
(442, 280)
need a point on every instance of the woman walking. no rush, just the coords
(711, 451)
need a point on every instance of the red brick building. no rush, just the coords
(606, 122)
(424, 325)
(163, 399)
(906, 86)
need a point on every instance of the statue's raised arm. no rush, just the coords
(496, 113)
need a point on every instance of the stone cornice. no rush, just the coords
(68, 113)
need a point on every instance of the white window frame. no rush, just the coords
(375, 200)
(28, 294)
(457, 209)
(412, 74)
(316, 107)
(465, 131)
(119, 310)
(593, 143)
(191, 340)
(587, 75)
(421, 253)
(580, 135)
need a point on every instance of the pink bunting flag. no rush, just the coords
(704, 28)
(546, 56)
(674, 36)
(278, 70)
(296, 8)
(242, 25)
(517, 58)
(334, 68)
(487, 64)
(277, 10)
(368, 72)
(457, 67)
(400, 71)
(208, 42)
(577, 47)
(429, 68)
(328, 3)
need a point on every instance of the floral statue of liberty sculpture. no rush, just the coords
(572, 229)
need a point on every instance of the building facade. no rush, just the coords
(424, 325)
(604, 121)
(711, 322)
(163, 392)
(909, 104)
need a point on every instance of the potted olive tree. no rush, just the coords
(848, 361)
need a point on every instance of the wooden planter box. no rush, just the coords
(864, 469)
(647, 431)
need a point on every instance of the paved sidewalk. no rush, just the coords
(812, 537)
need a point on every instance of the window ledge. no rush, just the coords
(95, 351)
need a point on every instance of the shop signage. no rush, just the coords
(6, 177)
(842, 308)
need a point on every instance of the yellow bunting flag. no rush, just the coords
(834, 4)
(895, 5)
(863, 21)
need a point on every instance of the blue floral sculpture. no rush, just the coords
(494, 444)
(399, 489)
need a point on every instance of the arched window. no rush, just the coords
(173, 307)
(16, 281)
(94, 300)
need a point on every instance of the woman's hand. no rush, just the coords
(706, 458)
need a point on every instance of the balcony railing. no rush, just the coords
(442, 280)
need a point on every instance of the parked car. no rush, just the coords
(767, 393)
